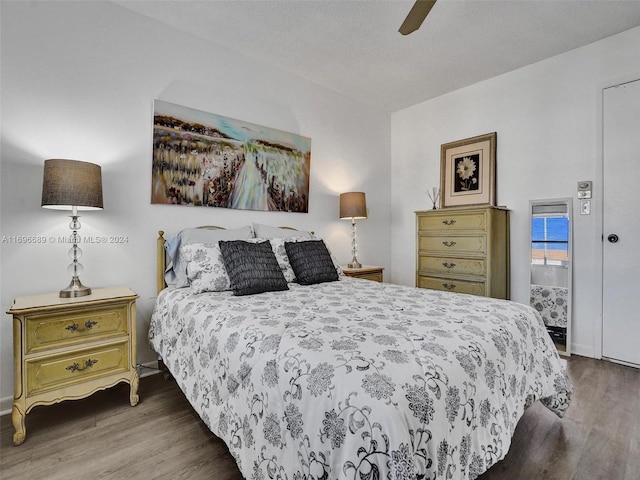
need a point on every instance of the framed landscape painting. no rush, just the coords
(468, 171)
(204, 159)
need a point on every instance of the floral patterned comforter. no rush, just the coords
(357, 379)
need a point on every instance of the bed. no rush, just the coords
(354, 379)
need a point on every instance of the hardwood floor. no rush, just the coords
(598, 439)
(102, 437)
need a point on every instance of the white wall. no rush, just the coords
(548, 120)
(79, 80)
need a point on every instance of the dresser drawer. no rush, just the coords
(59, 371)
(52, 330)
(451, 285)
(453, 265)
(453, 221)
(473, 244)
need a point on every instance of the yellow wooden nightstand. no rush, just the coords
(69, 348)
(368, 272)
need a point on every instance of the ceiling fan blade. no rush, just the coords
(416, 16)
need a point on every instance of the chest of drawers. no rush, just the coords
(464, 249)
(69, 348)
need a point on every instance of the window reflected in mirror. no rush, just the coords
(550, 240)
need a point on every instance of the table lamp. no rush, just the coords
(353, 205)
(72, 185)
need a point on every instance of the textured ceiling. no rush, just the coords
(353, 47)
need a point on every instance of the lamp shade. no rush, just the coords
(353, 205)
(71, 183)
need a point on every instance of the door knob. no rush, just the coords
(613, 238)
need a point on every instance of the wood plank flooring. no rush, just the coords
(102, 437)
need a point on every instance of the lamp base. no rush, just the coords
(75, 289)
(354, 264)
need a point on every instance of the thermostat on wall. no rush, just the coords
(584, 189)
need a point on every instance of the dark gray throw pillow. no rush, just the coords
(311, 262)
(252, 267)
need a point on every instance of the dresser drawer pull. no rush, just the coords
(448, 265)
(88, 325)
(448, 286)
(75, 367)
(448, 222)
(449, 244)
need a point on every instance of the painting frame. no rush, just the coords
(201, 158)
(468, 171)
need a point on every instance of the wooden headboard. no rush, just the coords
(161, 260)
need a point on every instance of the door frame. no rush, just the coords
(598, 212)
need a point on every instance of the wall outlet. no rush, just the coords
(585, 207)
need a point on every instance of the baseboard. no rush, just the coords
(622, 362)
(583, 350)
(6, 404)
(144, 370)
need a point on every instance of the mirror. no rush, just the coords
(551, 225)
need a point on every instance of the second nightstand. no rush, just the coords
(368, 272)
(69, 348)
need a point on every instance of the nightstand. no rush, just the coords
(368, 272)
(69, 348)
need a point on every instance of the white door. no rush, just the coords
(621, 224)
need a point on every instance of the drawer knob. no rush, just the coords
(448, 265)
(75, 366)
(449, 244)
(449, 286)
(448, 222)
(74, 327)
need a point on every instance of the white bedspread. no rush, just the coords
(359, 380)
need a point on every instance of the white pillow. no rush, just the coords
(268, 232)
(176, 271)
(205, 267)
(277, 245)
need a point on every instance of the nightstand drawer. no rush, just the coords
(452, 285)
(58, 371)
(442, 221)
(52, 330)
(375, 277)
(473, 244)
(453, 265)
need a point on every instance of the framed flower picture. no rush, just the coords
(468, 171)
